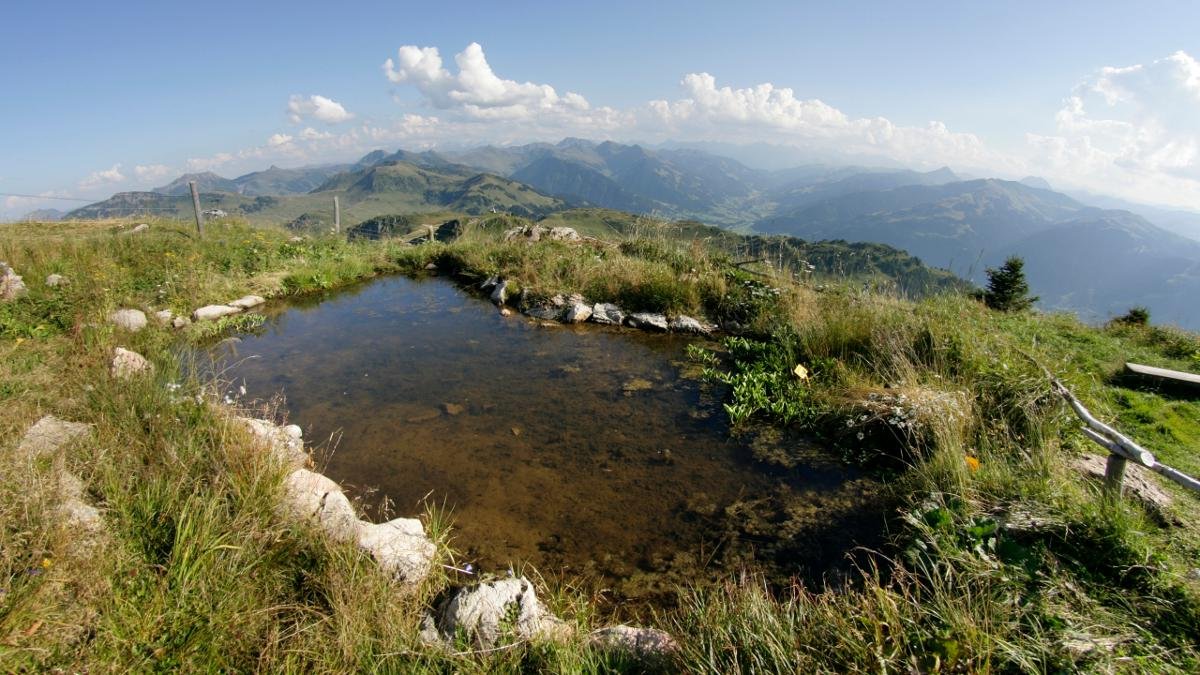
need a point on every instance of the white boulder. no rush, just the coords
(11, 285)
(55, 280)
(505, 608)
(578, 313)
(313, 497)
(647, 321)
(213, 312)
(131, 320)
(642, 642)
(248, 301)
(127, 364)
(607, 313)
(400, 547)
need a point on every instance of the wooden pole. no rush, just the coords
(1114, 475)
(196, 208)
(337, 215)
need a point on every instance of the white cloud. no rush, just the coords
(475, 89)
(279, 140)
(317, 107)
(151, 172)
(197, 164)
(311, 134)
(104, 177)
(1130, 130)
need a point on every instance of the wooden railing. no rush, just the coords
(1120, 447)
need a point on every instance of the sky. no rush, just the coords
(105, 97)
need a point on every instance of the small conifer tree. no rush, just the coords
(1007, 289)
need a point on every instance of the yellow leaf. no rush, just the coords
(801, 372)
(972, 463)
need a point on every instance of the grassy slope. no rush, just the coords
(201, 573)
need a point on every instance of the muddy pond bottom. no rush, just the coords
(580, 450)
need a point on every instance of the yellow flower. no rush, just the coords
(972, 463)
(800, 372)
(46, 563)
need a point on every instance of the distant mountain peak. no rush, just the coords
(1036, 182)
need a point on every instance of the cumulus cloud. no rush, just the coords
(475, 89)
(151, 172)
(104, 177)
(1130, 129)
(317, 107)
(279, 140)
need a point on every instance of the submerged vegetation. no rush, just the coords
(1001, 557)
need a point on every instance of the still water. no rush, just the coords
(580, 450)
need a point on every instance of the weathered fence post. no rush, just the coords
(337, 216)
(196, 208)
(1114, 475)
(430, 240)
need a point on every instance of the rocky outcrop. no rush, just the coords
(214, 312)
(164, 317)
(136, 229)
(505, 609)
(127, 364)
(11, 285)
(132, 320)
(532, 233)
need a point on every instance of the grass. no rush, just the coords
(200, 573)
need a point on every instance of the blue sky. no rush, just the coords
(103, 97)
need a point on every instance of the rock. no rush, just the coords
(500, 293)
(296, 240)
(136, 229)
(131, 320)
(56, 280)
(286, 444)
(431, 267)
(686, 324)
(578, 313)
(647, 321)
(400, 547)
(641, 642)
(504, 311)
(545, 312)
(212, 312)
(563, 234)
(607, 313)
(49, 434)
(11, 286)
(1138, 483)
(489, 283)
(313, 497)
(505, 608)
(126, 364)
(558, 300)
(528, 233)
(164, 317)
(452, 409)
(181, 322)
(248, 301)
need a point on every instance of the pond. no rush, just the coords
(584, 451)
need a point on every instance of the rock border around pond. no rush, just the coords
(574, 309)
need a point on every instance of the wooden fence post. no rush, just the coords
(337, 215)
(196, 208)
(1114, 474)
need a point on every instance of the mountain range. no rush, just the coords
(1080, 256)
